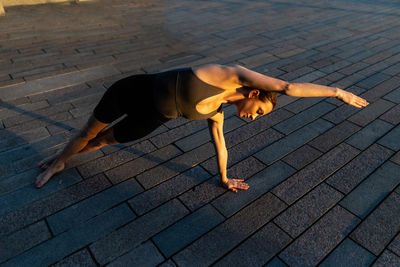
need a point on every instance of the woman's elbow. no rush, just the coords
(288, 89)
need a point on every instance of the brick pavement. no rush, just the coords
(324, 176)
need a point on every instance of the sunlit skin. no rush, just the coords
(241, 87)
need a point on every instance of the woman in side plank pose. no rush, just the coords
(150, 100)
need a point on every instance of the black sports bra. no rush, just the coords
(177, 93)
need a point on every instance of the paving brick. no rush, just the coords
(174, 166)
(311, 247)
(387, 258)
(302, 104)
(303, 181)
(22, 139)
(392, 70)
(185, 231)
(307, 210)
(392, 116)
(134, 167)
(391, 139)
(227, 235)
(349, 176)
(168, 190)
(203, 136)
(144, 255)
(349, 80)
(348, 253)
(136, 232)
(42, 85)
(276, 262)
(229, 203)
(268, 241)
(205, 192)
(353, 68)
(22, 240)
(10, 110)
(292, 141)
(395, 245)
(393, 96)
(371, 112)
(340, 114)
(377, 230)
(303, 118)
(25, 195)
(81, 257)
(369, 134)
(381, 89)
(93, 206)
(365, 197)
(168, 263)
(334, 136)
(302, 156)
(117, 158)
(60, 246)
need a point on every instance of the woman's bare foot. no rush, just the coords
(48, 173)
(44, 164)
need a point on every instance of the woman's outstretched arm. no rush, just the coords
(249, 78)
(215, 125)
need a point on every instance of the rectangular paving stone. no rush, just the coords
(381, 89)
(60, 246)
(334, 136)
(10, 110)
(395, 245)
(192, 141)
(378, 229)
(311, 247)
(365, 197)
(21, 197)
(144, 255)
(60, 81)
(303, 181)
(292, 141)
(307, 210)
(391, 139)
(371, 112)
(304, 118)
(112, 160)
(205, 192)
(23, 240)
(373, 80)
(175, 166)
(349, 176)
(81, 257)
(93, 206)
(393, 96)
(134, 167)
(268, 241)
(223, 238)
(302, 157)
(136, 232)
(392, 116)
(387, 258)
(168, 190)
(276, 262)
(349, 253)
(340, 114)
(302, 104)
(229, 203)
(46, 206)
(369, 134)
(185, 231)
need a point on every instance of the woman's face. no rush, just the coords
(253, 107)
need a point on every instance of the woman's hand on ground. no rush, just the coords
(235, 184)
(351, 99)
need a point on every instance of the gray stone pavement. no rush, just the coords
(324, 176)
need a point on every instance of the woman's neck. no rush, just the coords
(235, 95)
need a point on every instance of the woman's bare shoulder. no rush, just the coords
(217, 75)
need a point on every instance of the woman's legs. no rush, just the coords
(90, 131)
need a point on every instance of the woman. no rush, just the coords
(150, 100)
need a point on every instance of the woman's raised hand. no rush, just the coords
(351, 99)
(235, 184)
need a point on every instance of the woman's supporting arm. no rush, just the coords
(253, 79)
(215, 126)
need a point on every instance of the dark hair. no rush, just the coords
(265, 96)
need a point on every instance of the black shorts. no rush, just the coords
(131, 96)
